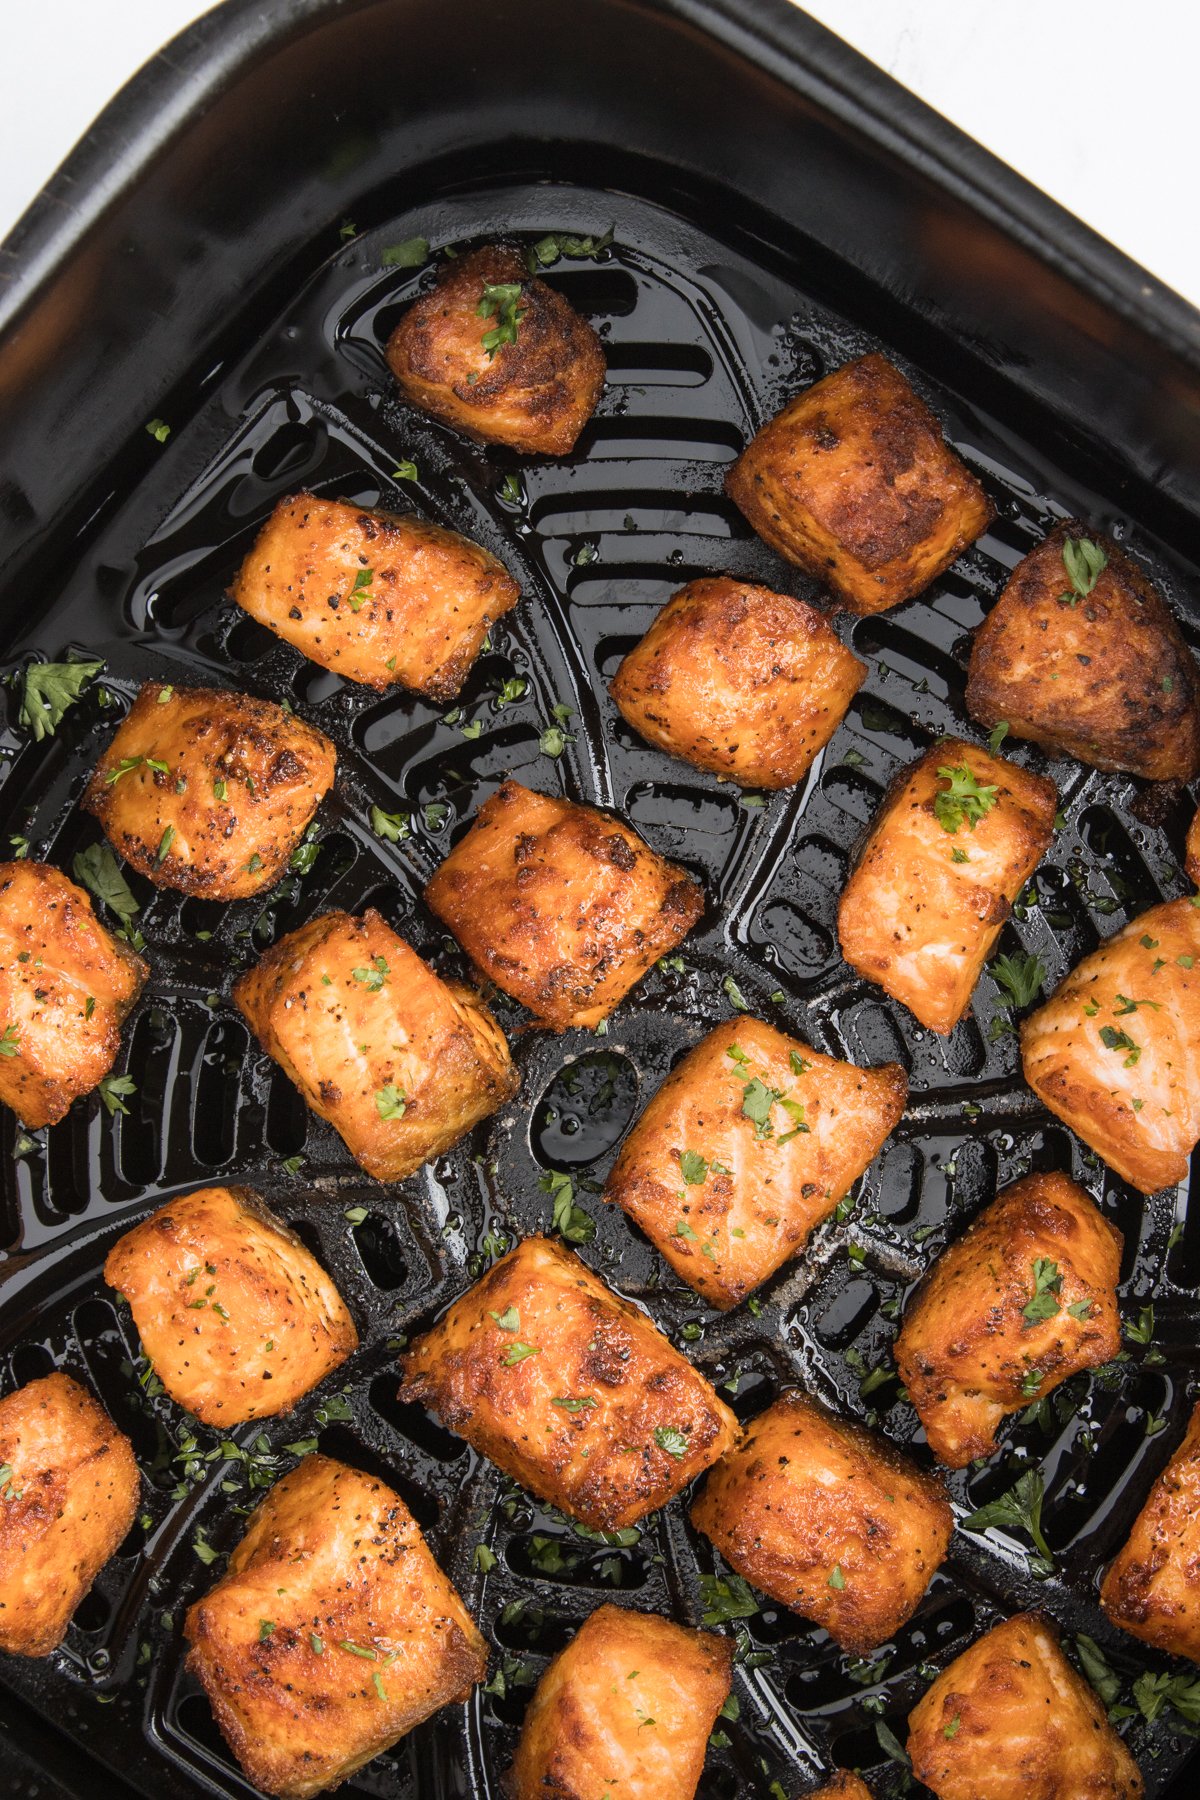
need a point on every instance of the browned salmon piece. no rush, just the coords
(237, 1317)
(1025, 1298)
(499, 354)
(750, 1142)
(1152, 1587)
(385, 599)
(209, 791)
(626, 1709)
(569, 1389)
(68, 1492)
(399, 1061)
(562, 906)
(854, 482)
(1115, 1052)
(739, 680)
(956, 839)
(1011, 1719)
(66, 985)
(829, 1519)
(1082, 654)
(332, 1633)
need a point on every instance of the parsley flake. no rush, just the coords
(963, 799)
(500, 300)
(49, 691)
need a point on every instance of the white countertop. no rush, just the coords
(1093, 100)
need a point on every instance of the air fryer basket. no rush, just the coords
(712, 310)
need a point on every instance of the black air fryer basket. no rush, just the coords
(213, 257)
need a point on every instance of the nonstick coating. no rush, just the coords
(705, 335)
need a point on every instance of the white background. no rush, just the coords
(1094, 100)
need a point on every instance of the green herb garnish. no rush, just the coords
(49, 691)
(964, 798)
(1020, 975)
(1047, 1284)
(500, 300)
(1084, 562)
(1019, 1509)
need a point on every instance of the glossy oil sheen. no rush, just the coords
(705, 337)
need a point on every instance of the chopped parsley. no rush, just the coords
(1020, 1509)
(358, 593)
(49, 691)
(558, 244)
(128, 763)
(569, 1220)
(500, 300)
(508, 1320)
(409, 254)
(1112, 1039)
(373, 979)
(1084, 562)
(1096, 1667)
(1180, 1692)
(1020, 975)
(693, 1168)
(1047, 1285)
(555, 737)
(390, 1101)
(517, 1353)
(734, 995)
(963, 799)
(726, 1597)
(113, 1090)
(394, 827)
(672, 1440)
(9, 1044)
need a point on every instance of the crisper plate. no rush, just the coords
(706, 332)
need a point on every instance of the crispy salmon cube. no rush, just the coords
(238, 1319)
(68, 1492)
(1025, 1298)
(739, 680)
(332, 1634)
(400, 1062)
(66, 985)
(1114, 1051)
(209, 792)
(854, 482)
(844, 1786)
(499, 354)
(1083, 655)
(1152, 1587)
(626, 1708)
(829, 1519)
(562, 906)
(385, 599)
(1011, 1718)
(956, 839)
(750, 1142)
(569, 1389)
